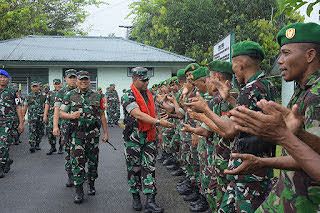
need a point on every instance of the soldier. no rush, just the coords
(14, 131)
(48, 117)
(140, 140)
(34, 104)
(9, 108)
(296, 190)
(71, 79)
(113, 110)
(85, 109)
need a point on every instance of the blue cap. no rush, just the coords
(3, 72)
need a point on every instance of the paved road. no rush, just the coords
(36, 183)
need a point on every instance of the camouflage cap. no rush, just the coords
(56, 81)
(140, 72)
(35, 83)
(83, 74)
(71, 72)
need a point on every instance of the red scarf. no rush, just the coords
(148, 109)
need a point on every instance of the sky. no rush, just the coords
(106, 19)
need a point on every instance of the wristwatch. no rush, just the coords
(157, 123)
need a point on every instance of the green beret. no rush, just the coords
(221, 66)
(181, 73)
(174, 79)
(99, 88)
(299, 33)
(248, 48)
(112, 85)
(200, 72)
(191, 67)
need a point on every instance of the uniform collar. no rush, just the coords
(312, 80)
(255, 77)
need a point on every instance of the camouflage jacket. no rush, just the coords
(112, 99)
(50, 100)
(295, 190)
(35, 103)
(8, 104)
(257, 88)
(90, 104)
(58, 101)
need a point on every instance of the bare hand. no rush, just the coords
(75, 115)
(195, 140)
(105, 137)
(166, 123)
(249, 165)
(56, 131)
(186, 128)
(195, 115)
(197, 104)
(45, 119)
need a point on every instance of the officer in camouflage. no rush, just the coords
(48, 117)
(9, 108)
(113, 109)
(34, 104)
(71, 79)
(85, 109)
(140, 139)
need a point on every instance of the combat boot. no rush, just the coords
(6, 167)
(201, 206)
(169, 161)
(60, 151)
(178, 172)
(52, 150)
(37, 147)
(79, 194)
(92, 189)
(151, 205)
(136, 202)
(1, 172)
(70, 181)
(32, 149)
(192, 197)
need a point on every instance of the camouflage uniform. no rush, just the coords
(113, 109)
(140, 153)
(50, 100)
(35, 103)
(8, 103)
(295, 191)
(65, 127)
(245, 193)
(85, 132)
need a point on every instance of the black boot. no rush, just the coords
(169, 161)
(60, 151)
(79, 194)
(6, 167)
(151, 206)
(52, 150)
(136, 202)
(70, 181)
(32, 149)
(185, 189)
(191, 197)
(1, 172)
(201, 206)
(173, 167)
(92, 189)
(162, 157)
(37, 147)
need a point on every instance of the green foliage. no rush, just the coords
(191, 27)
(287, 6)
(50, 17)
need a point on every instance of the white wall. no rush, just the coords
(55, 72)
(118, 76)
(287, 92)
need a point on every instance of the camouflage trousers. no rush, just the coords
(82, 151)
(244, 197)
(175, 145)
(51, 138)
(66, 141)
(140, 158)
(4, 145)
(113, 114)
(166, 140)
(35, 132)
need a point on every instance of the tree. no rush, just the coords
(191, 27)
(50, 17)
(287, 6)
